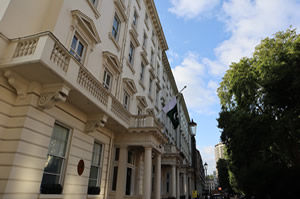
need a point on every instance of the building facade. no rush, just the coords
(82, 87)
(219, 153)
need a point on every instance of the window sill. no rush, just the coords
(114, 41)
(142, 84)
(147, 26)
(139, 4)
(50, 196)
(151, 99)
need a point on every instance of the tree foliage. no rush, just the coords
(223, 175)
(260, 117)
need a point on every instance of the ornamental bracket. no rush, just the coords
(52, 94)
(95, 121)
(17, 82)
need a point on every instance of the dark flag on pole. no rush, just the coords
(171, 110)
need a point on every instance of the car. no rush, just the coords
(217, 196)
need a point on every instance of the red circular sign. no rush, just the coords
(80, 167)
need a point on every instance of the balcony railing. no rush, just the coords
(145, 121)
(52, 58)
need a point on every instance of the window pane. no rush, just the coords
(128, 181)
(80, 49)
(50, 179)
(53, 165)
(94, 172)
(92, 183)
(74, 42)
(59, 140)
(115, 176)
(97, 154)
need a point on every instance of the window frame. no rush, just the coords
(116, 36)
(73, 52)
(131, 53)
(105, 75)
(126, 96)
(99, 167)
(63, 165)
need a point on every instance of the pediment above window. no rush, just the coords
(144, 58)
(86, 25)
(120, 7)
(134, 37)
(152, 73)
(142, 100)
(112, 61)
(130, 85)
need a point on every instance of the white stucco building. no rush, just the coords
(82, 86)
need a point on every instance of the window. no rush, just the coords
(150, 87)
(140, 111)
(116, 27)
(146, 19)
(107, 80)
(131, 53)
(142, 72)
(95, 172)
(126, 100)
(152, 58)
(153, 37)
(130, 173)
(94, 2)
(135, 19)
(77, 48)
(54, 166)
(157, 97)
(145, 40)
(115, 177)
(168, 183)
(115, 171)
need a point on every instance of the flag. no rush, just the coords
(171, 110)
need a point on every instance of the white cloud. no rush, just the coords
(199, 95)
(208, 156)
(192, 8)
(250, 21)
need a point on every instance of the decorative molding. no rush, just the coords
(53, 94)
(17, 82)
(94, 122)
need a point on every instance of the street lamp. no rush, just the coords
(205, 168)
(193, 126)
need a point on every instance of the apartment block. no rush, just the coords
(83, 84)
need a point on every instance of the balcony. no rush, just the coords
(42, 58)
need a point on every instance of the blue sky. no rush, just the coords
(204, 38)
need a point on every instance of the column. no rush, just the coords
(185, 192)
(122, 172)
(147, 173)
(157, 176)
(174, 181)
(178, 184)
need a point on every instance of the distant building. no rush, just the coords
(219, 152)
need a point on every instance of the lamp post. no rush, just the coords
(205, 168)
(193, 126)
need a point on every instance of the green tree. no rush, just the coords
(223, 175)
(260, 98)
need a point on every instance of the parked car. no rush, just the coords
(217, 196)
